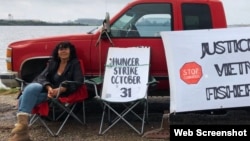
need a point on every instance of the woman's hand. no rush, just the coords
(50, 92)
(54, 92)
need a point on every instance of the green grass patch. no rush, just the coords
(4, 91)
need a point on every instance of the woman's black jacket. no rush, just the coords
(72, 72)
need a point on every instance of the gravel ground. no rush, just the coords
(73, 131)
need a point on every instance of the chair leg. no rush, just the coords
(145, 116)
(70, 113)
(121, 116)
(33, 119)
(83, 113)
(103, 115)
(36, 117)
(46, 126)
(66, 110)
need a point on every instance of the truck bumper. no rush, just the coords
(8, 79)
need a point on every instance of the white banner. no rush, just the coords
(208, 69)
(126, 74)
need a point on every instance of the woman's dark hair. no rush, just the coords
(64, 44)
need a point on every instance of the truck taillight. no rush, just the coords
(8, 59)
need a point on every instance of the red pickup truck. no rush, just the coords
(137, 24)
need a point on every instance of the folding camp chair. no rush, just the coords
(129, 96)
(65, 105)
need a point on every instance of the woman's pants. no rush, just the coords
(32, 95)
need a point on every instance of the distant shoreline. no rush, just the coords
(46, 25)
(42, 23)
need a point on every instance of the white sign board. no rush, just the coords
(126, 74)
(208, 69)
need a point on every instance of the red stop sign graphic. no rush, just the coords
(191, 73)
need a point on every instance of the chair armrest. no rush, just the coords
(70, 82)
(152, 81)
(22, 84)
(19, 80)
(67, 82)
(95, 80)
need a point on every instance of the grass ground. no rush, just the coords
(4, 91)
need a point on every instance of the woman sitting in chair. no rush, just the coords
(63, 66)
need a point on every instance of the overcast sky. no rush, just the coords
(237, 12)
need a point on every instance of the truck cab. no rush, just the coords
(139, 24)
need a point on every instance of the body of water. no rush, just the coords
(11, 34)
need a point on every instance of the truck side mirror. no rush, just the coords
(106, 23)
(106, 27)
(105, 33)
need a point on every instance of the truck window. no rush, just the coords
(143, 20)
(196, 20)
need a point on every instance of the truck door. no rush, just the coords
(141, 26)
